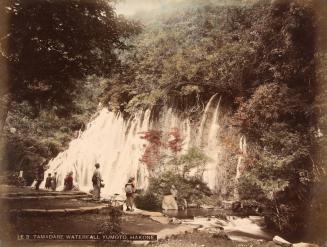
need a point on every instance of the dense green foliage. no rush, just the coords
(317, 218)
(182, 56)
(280, 133)
(194, 159)
(260, 58)
(56, 54)
(32, 137)
(205, 49)
(191, 189)
(177, 172)
(53, 43)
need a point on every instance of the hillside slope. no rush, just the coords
(260, 58)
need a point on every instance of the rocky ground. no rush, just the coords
(25, 211)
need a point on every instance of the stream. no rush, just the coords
(237, 228)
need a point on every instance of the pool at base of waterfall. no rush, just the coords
(236, 227)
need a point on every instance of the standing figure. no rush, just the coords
(96, 181)
(39, 176)
(68, 183)
(48, 181)
(130, 191)
(54, 181)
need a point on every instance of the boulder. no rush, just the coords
(227, 204)
(175, 221)
(237, 206)
(304, 245)
(281, 242)
(221, 216)
(221, 235)
(214, 230)
(169, 203)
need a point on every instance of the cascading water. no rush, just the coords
(117, 145)
(210, 143)
(204, 119)
(112, 142)
(243, 153)
(171, 121)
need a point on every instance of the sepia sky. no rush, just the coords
(130, 7)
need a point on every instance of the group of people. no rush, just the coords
(130, 188)
(51, 181)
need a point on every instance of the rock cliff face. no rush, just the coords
(119, 146)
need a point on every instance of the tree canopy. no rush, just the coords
(260, 58)
(54, 56)
(50, 44)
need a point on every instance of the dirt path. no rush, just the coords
(92, 223)
(188, 240)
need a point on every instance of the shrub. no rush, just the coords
(148, 201)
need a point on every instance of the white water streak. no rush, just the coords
(203, 120)
(117, 145)
(243, 153)
(212, 149)
(112, 142)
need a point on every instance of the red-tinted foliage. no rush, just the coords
(175, 144)
(156, 144)
(152, 151)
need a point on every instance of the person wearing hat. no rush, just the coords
(96, 180)
(68, 182)
(130, 191)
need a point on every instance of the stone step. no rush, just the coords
(44, 193)
(38, 197)
(58, 212)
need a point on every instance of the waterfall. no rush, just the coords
(171, 121)
(243, 153)
(112, 142)
(210, 143)
(116, 144)
(204, 118)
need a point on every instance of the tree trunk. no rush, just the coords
(4, 108)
